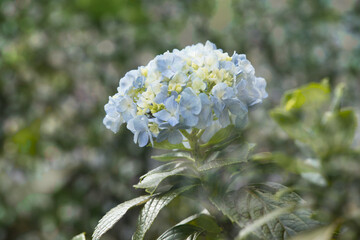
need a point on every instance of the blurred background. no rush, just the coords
(60, 168)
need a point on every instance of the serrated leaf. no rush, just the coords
(152, 209)
(250, 228)
(323, 233)
(202, 220)
(152, 179)
(173, 156)
(81, 236)
(115, 214)
(241, 156)
(166, 145)
(181, 232)
(251, 203)
(192, 227)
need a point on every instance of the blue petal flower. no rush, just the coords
(222, 91)
(169, 63)
(139, 82)
(170, 133)
(126, 83)
(126, 107)
(205, 115)
(251, 92)
(237, 58)
(171, 112)
(113, 119)
(162, 95)
(190, 107)
(139, 127)
(224, 100)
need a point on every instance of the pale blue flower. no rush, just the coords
(190, 107)
(210, 46)
(139, 82)
(113, 119)
(175, 91)
(170, 133)
(126, 107)
(231, 68)
(113, 123)
(162, 95)
(171, 112)
(237, 58)
(224, 101)
(205, 116)
(139, 127)
(126, 83)
(220, 93)
(251, 92)
(168, 64)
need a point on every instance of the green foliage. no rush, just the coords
(173, 155)
(306, 115)
(192, 228)
(79, 237)
(152, 209)
(168, 146)
(323, 233)
(222, 135)
(116, 214)
(253, 202)
(291, 164)
(26, 140)
(151, 180)
(185, 231)
(330, 136)
(242, 155)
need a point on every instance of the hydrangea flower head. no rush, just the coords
(198, 87)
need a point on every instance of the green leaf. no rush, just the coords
(338, 128)
(222, 135)
(252, 227)
(300, 111)
(310, 96)
(323, 233)
(288, 163)
(152, 209)
(293, 126)
(241, 156)
(181, 232)
(204, 221)
(193, 226)
(152, 179)
(115, 214)
(173, 156)
(168, 146)
(81, 236)
(251, 203)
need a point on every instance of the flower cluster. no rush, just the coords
(198, 87)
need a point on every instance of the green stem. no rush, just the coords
(193, 139)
